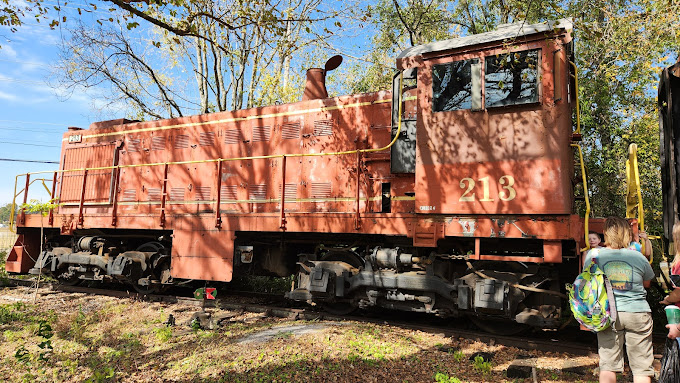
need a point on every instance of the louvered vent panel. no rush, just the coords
(257, 192)
(203, 193)
(154, 194)
(133, 145)
(158, 142)
(181, 141)
(176, 194)
(229, 193)
(291, 192)
(323, 128)
(261, 133)
(290, 130)
(232, 136)
(321, 189)
(129, 195)
(206, 139)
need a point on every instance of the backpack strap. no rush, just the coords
(613, 314)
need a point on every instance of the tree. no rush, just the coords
(622, 48)
(227, 47)
(399, 25)
(5, 212)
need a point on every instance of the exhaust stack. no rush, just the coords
(315, 86)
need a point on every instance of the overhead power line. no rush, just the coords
(36, 161)
(21, 143)
(33, 122)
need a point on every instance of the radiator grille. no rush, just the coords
(323, 128)
(158, 142)
(181, 141)
(206, 139)
(202, 193)
(154, 194)
(261, 133)
(290, 192)
(321, 189)
(129, 195)
(290, 130)
(133, 145)
(257, 192)
(232, 136)
(229, 193)
(176, 194)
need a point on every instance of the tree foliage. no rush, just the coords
(195, 57)
(5, 212)
(622, 48)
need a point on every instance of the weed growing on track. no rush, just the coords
(481, 365)
(443, 378)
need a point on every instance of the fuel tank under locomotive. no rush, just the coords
(95, 258)
(442, 284)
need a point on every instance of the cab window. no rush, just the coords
(452, 85)
(511, 78)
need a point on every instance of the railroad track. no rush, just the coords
(546, 342)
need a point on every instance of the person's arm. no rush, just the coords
(648, 275)
(673, 331)
(671, 298)
(648, 244)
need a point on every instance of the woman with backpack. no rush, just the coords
(629, 273)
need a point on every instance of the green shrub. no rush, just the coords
(443, 378)
(481, 365)
(163, 334)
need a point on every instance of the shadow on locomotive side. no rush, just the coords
(451, 194)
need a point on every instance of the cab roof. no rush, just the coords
(504, 32)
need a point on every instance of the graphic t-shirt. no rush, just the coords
(626, 270)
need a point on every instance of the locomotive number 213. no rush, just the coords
(506, 183)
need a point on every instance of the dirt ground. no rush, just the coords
(69, 337)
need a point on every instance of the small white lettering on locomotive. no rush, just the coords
(427, 208)
(75, 138)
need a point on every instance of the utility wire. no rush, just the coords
(35, 130)
(33, 122)
(36, 161)
(21, 143)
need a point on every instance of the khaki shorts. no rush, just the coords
(635, 331)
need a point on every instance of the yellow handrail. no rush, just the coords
(585, 193)
(215, 160)
(12, 226)
(634, 193)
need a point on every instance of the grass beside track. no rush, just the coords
(73, 337)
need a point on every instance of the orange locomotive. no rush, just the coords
(453, 194)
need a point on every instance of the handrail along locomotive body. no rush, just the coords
(452, 194)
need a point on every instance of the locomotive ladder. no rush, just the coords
(576, 136)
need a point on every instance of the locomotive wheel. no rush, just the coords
(498, 326)
(154, 288)
(72, 281)
(342, 306)
(150, 289)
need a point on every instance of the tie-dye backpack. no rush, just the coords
(591, 298)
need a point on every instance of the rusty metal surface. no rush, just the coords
(502, 160)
